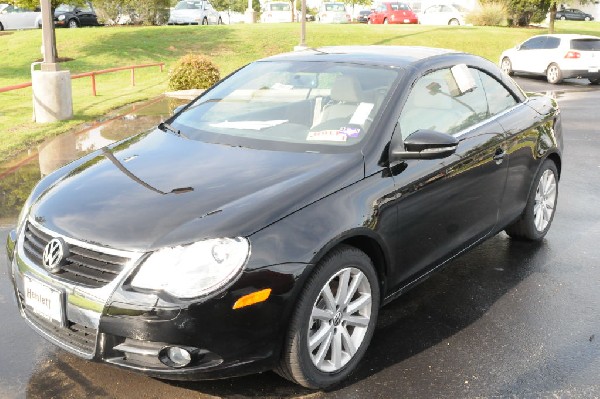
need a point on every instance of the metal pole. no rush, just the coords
(48, 39)
(303, 25)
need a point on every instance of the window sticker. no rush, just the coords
(249, 125)
(353, 132)
(361, 114)
(327, 135)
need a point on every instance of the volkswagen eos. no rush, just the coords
(264, 224)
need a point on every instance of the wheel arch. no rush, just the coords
(554, 157)
(368, 242)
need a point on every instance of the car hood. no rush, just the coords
(158, 189)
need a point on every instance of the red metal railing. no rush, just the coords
(92, 75)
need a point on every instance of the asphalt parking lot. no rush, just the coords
(508, 319)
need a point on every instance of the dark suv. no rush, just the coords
(573, 14)
(70, 16)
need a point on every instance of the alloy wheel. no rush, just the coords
(545, 200)
(339, 319)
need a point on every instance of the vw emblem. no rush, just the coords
(54, 253)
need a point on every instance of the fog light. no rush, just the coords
(175, 356)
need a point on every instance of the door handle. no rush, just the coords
(499, 156)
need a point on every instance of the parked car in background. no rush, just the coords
(333, 13)
(264, 224)
(363, 16)
(393, 13)
(443, 14)
(573, 14)
(12, 17)
(557, 57)
(276, 11)
(194, 12)
(70, 16)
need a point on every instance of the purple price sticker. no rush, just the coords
(350, 131)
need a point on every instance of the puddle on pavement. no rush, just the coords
(19, 175)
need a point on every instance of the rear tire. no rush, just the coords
(539, 211)
(563, 18)
(453, 22)
(553, 74)
(594, 81)
(333, 321)
(1, 27)
(385, 21)
(205, 21)
(220, 21)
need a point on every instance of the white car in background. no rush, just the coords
(443, 14)
(333, 13)
(194, 12)
(12, 17)
(276, 11)
(557, 57)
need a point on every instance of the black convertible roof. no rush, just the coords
(374, 55)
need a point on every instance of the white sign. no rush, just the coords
(43, 300)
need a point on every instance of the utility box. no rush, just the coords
(52, 95)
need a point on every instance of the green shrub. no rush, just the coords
(488, 14)
(193, 71)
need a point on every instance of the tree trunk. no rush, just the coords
(552, 18)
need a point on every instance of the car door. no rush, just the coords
(445, 205)
(526, 58)
(86, 15)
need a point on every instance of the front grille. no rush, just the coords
(83, 266)
(78, 336)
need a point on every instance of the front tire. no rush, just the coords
(1, 27)
(453, 22)
(587, 18)
(594, 81)
(539, 211)
(220, 21)
(73, 24)
(506, 66)
(553, 74)
(385, 21)
(333, 322)
(205, 21)
(563, 18)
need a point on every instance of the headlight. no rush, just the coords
(193, 270)
(61, 17)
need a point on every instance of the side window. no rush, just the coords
(435, 103)
(534, 43)
(552, 42)
(498, 97)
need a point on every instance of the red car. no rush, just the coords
(393, 13)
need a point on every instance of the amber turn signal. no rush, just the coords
(251, 299)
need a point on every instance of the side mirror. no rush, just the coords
(424, 144)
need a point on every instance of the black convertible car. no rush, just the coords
(264, 224)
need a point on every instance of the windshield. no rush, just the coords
(187, 5)
(65, 8)
(586, 44)
(298, 106)
(399, 6)
(280, 7)
(335, 7)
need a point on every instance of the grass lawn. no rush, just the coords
(229, 46)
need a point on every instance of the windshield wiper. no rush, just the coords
(164, 126)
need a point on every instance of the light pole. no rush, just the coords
(52, 93)
(302, 45)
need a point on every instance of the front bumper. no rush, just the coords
(114, 325)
